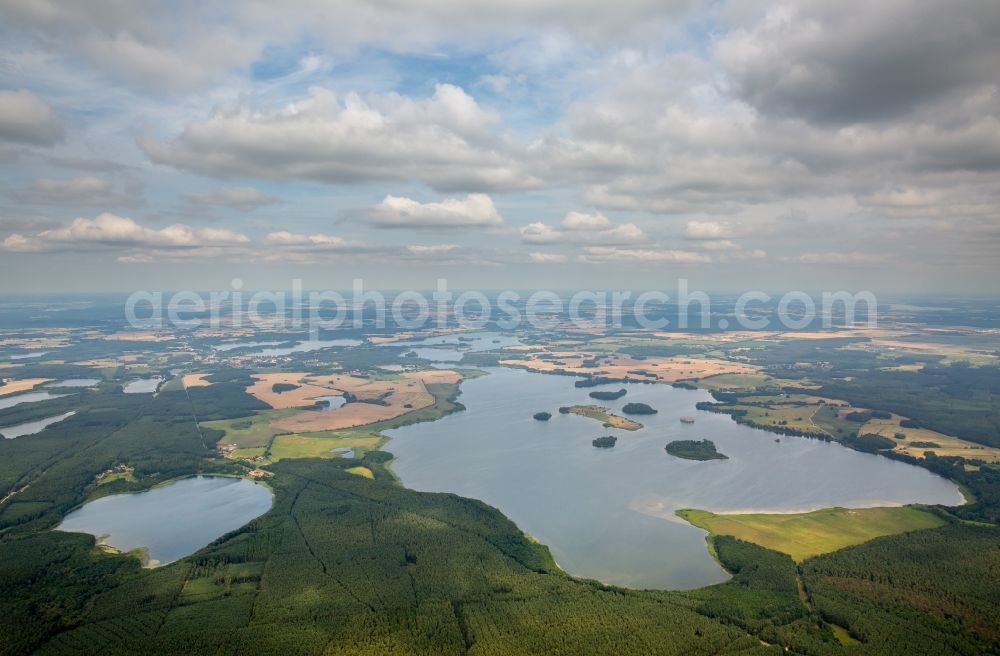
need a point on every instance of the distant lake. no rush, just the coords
(306, 346)
(29, 397)
(452, 348)
(142, 386)
(332, 402)
(229, 346)
(75, 382)
(32, 427)
(27, 356)
(608, 514)
(172, 521)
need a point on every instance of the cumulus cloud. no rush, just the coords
(110, 231)
(852, 61)
(433, 250)
(473, 211)
(245, 199)
(606, 254)
(546, 258)
(445, 140)
(81, 190)
(579, 228)
(26, 118)
(707, 230)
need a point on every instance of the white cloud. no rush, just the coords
(26, 118)
(445, 140)
(81, 190)
(546, 258)
(246, 199)
(112, 231)
(475, 210)
(707, 230)
(318, 241)
(431, 251)
(605, 254)
(579, 228)
(581, 221)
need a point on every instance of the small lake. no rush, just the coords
(172, 521)
(29, 397)
(329, 403)
(142, 386)
(608, 514)
(306, 346)
(452, 348)
(32, 427)
(27, 356)
(75, 382)
(229, 346)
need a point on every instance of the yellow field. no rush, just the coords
(949, 446)
(361, 471)
(803, 535)
(195, 380)
(663, 369)
(393, 398)
(15, 386)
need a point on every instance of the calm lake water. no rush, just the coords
(172, 521)
(306, 346)
(75, 382)
(608, 514)
(29, 397)
(142, 386)
(452, 348)
(32, 427)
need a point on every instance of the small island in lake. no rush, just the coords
(607, 396)
(695, 450)
(603, 415)
(542, 416)
(605, 442)
(638, 409)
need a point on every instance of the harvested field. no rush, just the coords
(15, 386)
(947, 444)
(662, 369)
(375, 400)
(297, 398)
(195, 380)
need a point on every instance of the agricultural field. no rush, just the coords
(804, 535)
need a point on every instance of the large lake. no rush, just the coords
(608, 514)
(174, 520)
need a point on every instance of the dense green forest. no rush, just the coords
(347, 565)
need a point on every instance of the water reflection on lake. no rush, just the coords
(608, 513)
(29, 397)
(75, 382)
(436, 349)
(328, 403)
(142, 386)
(32, 427)
(306, 346)
(174, 520)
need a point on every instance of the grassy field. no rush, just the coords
(804, 535)
(321, 445)
(602, 415)
(251, 435)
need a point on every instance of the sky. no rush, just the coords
(560, 144)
